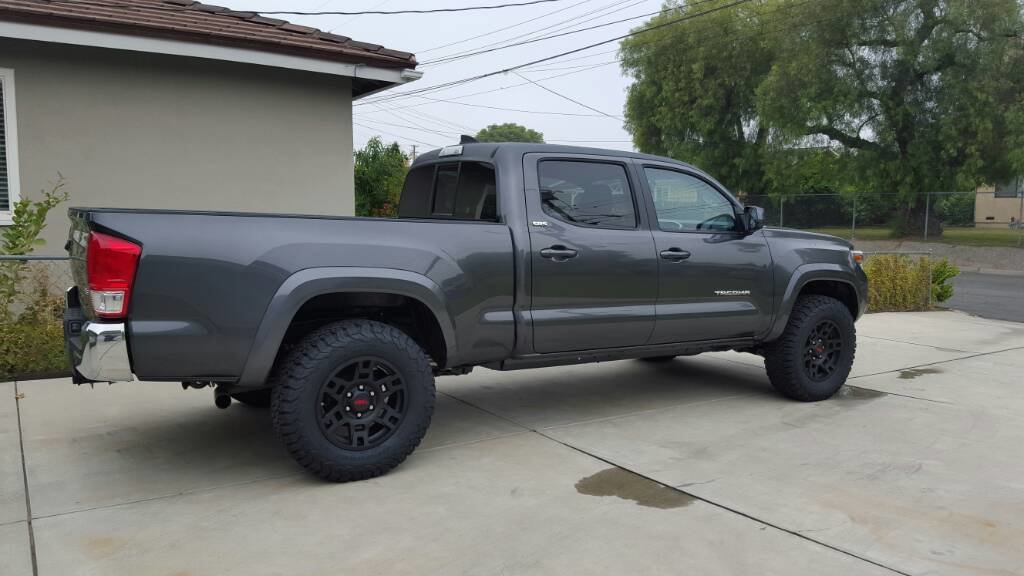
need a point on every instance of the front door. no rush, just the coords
(594, 278)
(715, 281)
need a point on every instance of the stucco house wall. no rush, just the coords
(141, 130)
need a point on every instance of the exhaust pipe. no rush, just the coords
(221, 398)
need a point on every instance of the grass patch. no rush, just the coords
(960, 236)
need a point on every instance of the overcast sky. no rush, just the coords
(602, 87)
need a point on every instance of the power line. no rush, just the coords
(375, 129)
(426, 11)
(543, 38)
(563, 96)
(509, 27)
(558, 26)
(511, 109)
(419, 128)
(169, 8)
(566, 53)
(491, 90)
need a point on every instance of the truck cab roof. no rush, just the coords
(487, 151)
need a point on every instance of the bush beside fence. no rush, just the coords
(31, 328)
(904, 282)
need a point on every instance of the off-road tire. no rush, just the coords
(296, 401)
(254, 398)
(785, 360)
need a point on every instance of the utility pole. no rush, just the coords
(414, 152)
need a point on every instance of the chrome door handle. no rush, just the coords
(675, 254)
(558, 253)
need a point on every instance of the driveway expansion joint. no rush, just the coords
(541, 433)
(18, 398)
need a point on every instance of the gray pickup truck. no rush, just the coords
(505, 256)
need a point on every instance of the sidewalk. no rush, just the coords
(694, 466)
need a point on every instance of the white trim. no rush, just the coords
(198, 50)
(11, 142)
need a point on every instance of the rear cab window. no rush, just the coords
(464, 190)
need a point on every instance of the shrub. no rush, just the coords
(31, 327)
(901, 283)
(32, 343)
(943, 271)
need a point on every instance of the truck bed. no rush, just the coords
(205, 279)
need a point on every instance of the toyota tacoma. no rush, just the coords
(505, 256)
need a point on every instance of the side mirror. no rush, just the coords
(753, 218)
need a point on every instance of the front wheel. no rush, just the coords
(353, 399)
(813, 357)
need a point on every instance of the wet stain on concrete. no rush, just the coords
(629, 486)
(856, 393)
(916, 372)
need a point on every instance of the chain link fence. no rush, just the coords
(968, 218)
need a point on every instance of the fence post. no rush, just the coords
(1020, 218)
(927, 210)
(853, 225)
(782, 211)
(928, 286)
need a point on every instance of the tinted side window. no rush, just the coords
(477, 197)
(587, 193)
(445, 184)
(462, 191)
(687, 203)
(417, 193)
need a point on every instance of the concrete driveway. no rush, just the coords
(689, 467)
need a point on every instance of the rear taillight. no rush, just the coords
(110, 264)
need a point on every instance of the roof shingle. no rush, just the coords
(193, 21)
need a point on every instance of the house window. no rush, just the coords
(9, 185)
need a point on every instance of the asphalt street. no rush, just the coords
(996, 296)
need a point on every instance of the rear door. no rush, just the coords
(594, 269)
(715, 281)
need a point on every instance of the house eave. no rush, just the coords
(374, 78)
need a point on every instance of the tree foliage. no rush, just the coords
(509, 132)
(379, 174)
(888, 96)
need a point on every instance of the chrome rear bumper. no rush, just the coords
(104, 353)
(97, 351)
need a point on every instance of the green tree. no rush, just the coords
(509, 132)
(379, 173)
(899, 96)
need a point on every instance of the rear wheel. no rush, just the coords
(353, 399)
(813, 357)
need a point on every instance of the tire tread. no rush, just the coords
(294, 374)
(781, 356)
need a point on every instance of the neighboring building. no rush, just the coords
(182, 105)
(1000, 205)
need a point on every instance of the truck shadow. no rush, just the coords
(151, 441)
(564, 395)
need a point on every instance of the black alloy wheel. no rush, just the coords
(822, 351)
(362, 404)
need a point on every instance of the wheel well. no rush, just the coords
(407, 314)
(833, 288)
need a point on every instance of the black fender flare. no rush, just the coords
(306, 284)
(803, 275)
